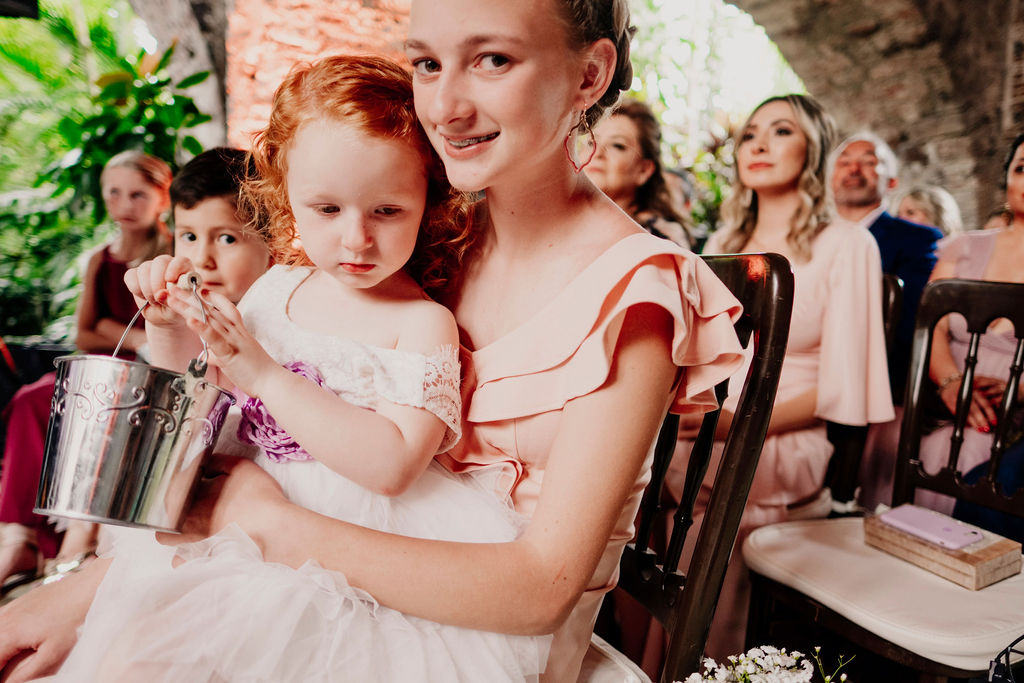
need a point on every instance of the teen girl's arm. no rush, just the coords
(789, 415)
(95, 334)
(529, 585)
(347, 438)
(38, 630)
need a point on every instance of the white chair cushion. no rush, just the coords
(604, 664)
(827, 560)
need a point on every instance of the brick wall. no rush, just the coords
(265, 37)
(933, 77)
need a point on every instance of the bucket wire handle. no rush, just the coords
(197, 366)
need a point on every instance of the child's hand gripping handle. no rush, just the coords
(192, 281)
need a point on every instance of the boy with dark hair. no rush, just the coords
(228, 252)
(210, 228)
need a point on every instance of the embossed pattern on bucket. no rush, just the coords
(126, 440)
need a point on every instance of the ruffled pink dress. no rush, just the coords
(515, 388)
(837, 345)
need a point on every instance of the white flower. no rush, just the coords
(764, 664)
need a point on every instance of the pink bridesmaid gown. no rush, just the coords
(516, 387)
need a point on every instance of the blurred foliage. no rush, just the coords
(702, 66)
(87, 103)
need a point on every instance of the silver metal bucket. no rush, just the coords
(126, 440)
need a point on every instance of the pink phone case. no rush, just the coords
(931, 526)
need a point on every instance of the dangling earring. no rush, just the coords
(580, 142)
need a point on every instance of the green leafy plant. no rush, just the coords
(48, 68)
(42, 231)
(139, 107)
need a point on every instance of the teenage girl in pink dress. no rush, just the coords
(135, 192)
(579, 329)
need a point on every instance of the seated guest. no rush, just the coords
(778, 205)
(863, 172)
(210, 232)
(627, 167)
(993, 255)
(134, 188)
(930, 205)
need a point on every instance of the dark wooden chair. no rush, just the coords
(821, 576)
(848, 440)
(684, 603)
(892, 306)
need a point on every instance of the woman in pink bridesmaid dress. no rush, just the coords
(993, 255)
(835, 365)
(579, 330)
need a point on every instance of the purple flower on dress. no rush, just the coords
(259, 428)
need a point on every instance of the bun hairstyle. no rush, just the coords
(588, 21)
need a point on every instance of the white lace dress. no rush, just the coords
(225, 615)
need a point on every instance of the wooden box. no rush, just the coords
(975, 566)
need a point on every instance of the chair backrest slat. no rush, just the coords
(848, 441)
(696, 468)
(650, 509)
(685, 603)
(892, 304)
(963, 400)
(1005, 410)
(980, 303)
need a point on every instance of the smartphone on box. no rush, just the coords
(931, 526)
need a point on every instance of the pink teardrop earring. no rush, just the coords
(580, 142)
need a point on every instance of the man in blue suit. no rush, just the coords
(863, 172)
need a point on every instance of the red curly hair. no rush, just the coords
(373, 94)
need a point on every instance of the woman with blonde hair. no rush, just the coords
(835, 367)
(930, 205)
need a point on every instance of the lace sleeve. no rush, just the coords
(441, 394)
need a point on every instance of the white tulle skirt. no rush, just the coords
(225, 615)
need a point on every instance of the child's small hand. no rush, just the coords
(232, 347)
(149, 283)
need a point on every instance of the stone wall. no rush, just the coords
(935, 78)
(196, 28)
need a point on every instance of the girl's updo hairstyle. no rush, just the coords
(374, 95)
(588, 21)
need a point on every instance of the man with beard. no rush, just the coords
(863, 172)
